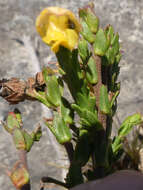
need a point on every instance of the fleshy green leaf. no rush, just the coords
(83, 50)
(125, 129)
(87, 118)
(91, 71)
(66, 111)
(86, 32)
(28, 140)
(53, 92)
(104, 103)
(59, 129)
(101, 43)
(92, 21)
(18, 139)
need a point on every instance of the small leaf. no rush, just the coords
(104, 103)
(87, 118)
(20, 177)
(92, 21)
(86, 32)
(42, 98)
(101, 43)
(86, 101)
(60, 130)
(83, 50)
(52, 92)
(91, 71)
(66, 111)
(114, 98)
(129, 123)
(12, 122)
(28, 140)
(110, 32)
(18, 139)
(125, 129)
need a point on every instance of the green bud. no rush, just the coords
(59, 129)
(91, 71)
(101, 43)
(104, 103)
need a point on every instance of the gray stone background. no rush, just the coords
(17, 22)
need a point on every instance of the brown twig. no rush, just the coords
(101, 116)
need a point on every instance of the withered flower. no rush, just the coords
(12, 90)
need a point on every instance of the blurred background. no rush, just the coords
(18, 43)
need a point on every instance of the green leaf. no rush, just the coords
(91, 71)
(18, 139)
(59, 129)
(12, 122)
(129, 123)
(92, 21)
(118, 57)
(114, 98)
(110, 54)
(87, 14)
(110, 32)
(42, 98)
(66, 111)
(28, 140)
(125, 129)
(87, 118)
(86, 101)
(104, 103)
(52, 92)
(86, 32)
(101, 43)
(83, 50)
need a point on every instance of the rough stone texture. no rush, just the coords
(17, 18)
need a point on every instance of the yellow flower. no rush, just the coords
(58, 27)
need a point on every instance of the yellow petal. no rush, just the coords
(58, 27)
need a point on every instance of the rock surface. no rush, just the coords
(17, 25)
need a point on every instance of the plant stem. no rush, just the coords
(69, 149)
(101, 116)
(23, 159)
